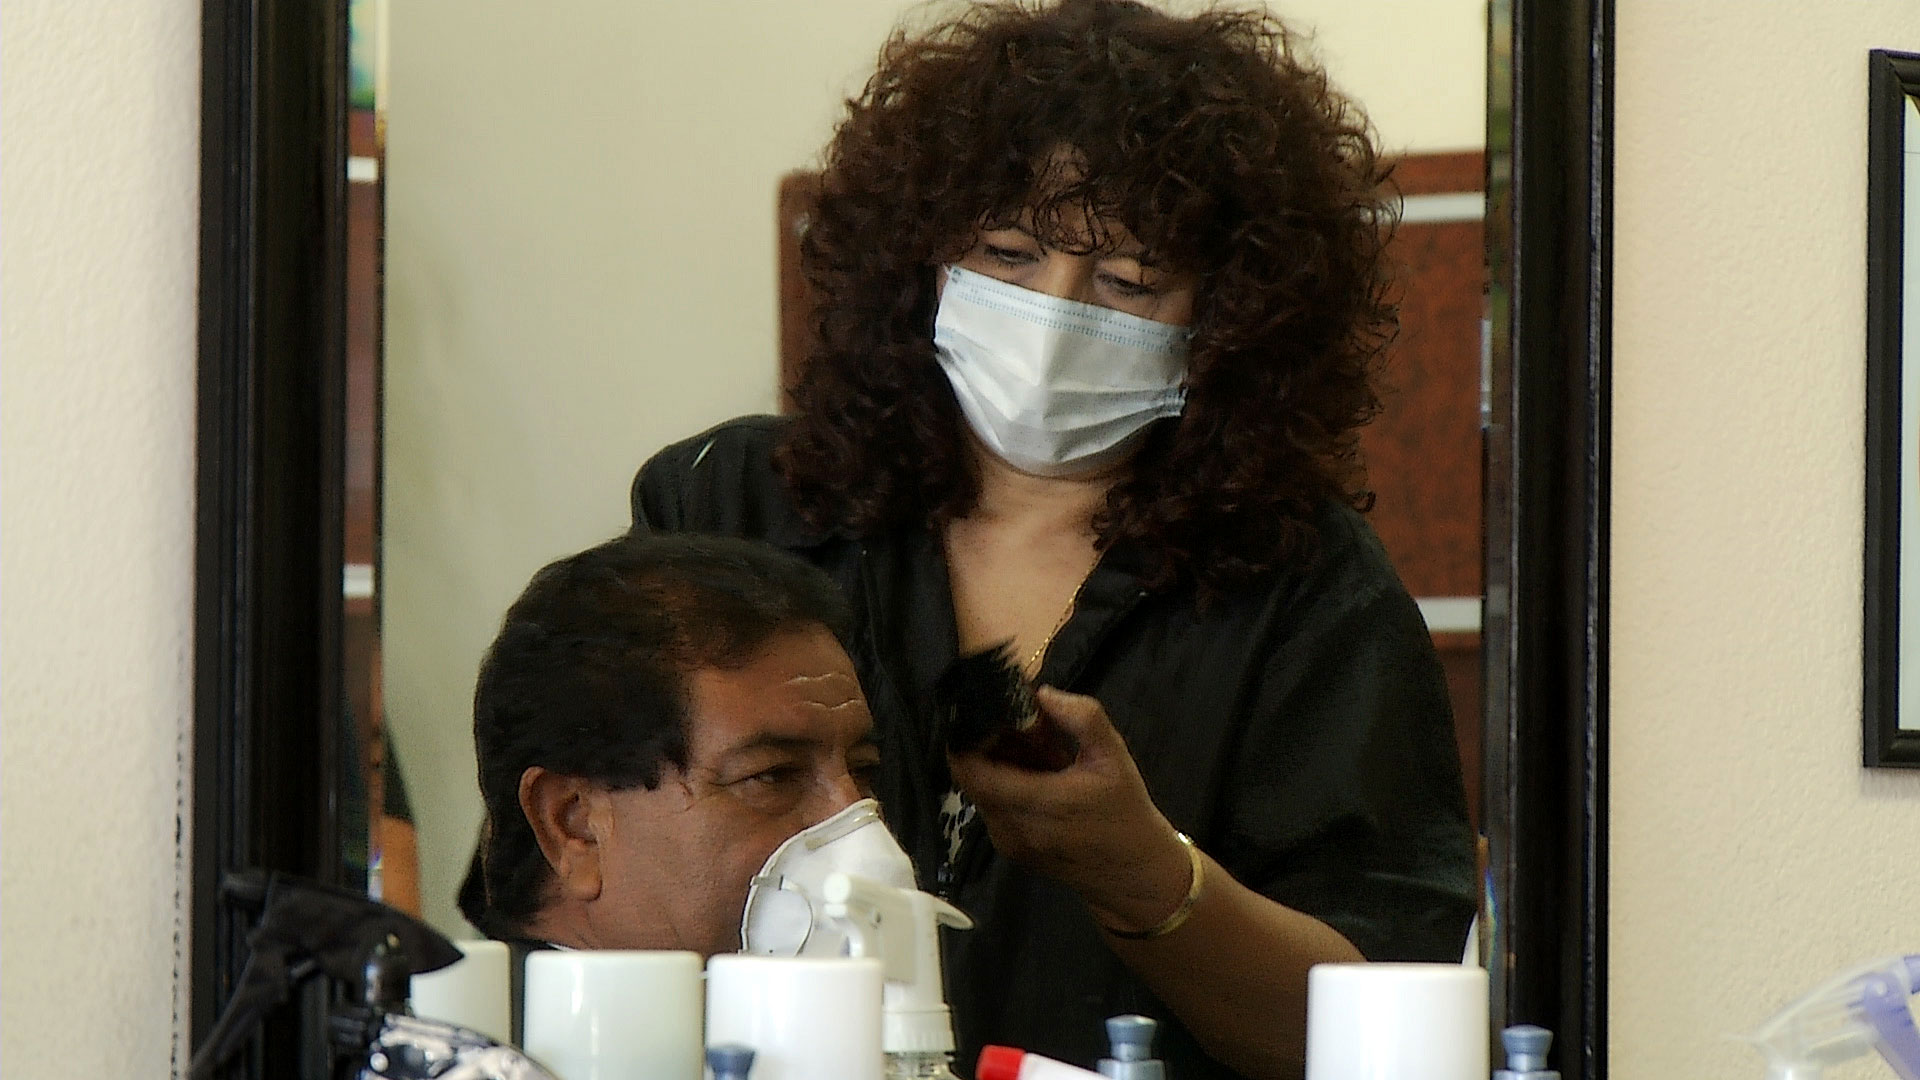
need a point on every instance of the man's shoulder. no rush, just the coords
(721, 481)
(739, 438)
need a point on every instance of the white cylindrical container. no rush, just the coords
(472, 993)
(806, 1018)
(1404, 1021)
(614, 1015)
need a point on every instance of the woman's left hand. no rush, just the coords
(1091, 825)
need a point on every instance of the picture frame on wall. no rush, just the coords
(1891, 703)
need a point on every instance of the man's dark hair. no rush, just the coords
(589, 677)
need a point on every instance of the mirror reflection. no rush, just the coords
(583, 265)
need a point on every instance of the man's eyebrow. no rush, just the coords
(770, 741)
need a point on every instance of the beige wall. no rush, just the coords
(581, 268)
(1751, 855)
(1418, 66)
(99, 118)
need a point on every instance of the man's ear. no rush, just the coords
(562, 810)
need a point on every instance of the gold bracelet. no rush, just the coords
(1174, 921)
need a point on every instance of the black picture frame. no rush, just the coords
(268, 761)
(1892, 77)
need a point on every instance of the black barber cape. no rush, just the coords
(1298, 730)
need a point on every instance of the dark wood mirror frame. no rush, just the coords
(1549, 248)
(270, 483)
(268, 760)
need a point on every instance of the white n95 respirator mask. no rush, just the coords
(1054, 387)
(785, 906)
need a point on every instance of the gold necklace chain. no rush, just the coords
(1032, 667)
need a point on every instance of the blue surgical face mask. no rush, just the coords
(1055, 387)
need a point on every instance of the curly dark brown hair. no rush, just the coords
(1222, 149)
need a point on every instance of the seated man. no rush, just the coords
(656, 715)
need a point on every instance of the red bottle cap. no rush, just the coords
(998, 1063)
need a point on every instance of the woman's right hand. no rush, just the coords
(1091, 826)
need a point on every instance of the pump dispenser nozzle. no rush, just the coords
(1526, 1047)
(902, 928)
(1130, 1038)
(729, 1061)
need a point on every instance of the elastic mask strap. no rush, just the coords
(756, 895)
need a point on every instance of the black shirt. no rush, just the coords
(1298, 729)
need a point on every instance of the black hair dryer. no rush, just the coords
(368, 951)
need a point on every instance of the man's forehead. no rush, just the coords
(743, 708)
(829, 689)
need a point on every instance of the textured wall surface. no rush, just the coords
(99, 139)
(1752, 855)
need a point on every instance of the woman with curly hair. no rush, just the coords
(1100, 294)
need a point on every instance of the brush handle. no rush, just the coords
(1042, 746)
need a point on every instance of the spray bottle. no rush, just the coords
(1861, 1009)
(902, 928)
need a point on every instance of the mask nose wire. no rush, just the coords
(862, 812)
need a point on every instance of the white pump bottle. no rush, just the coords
(902, 928)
